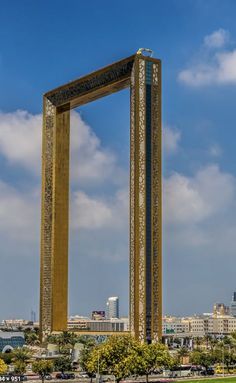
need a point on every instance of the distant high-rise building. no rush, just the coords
(33, 316)
(233, 305)
(113, 307)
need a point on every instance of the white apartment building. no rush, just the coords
(113, 307)
(199, 326)
(174, 325)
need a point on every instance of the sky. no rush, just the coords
(44, 44)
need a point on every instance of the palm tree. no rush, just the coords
(182, 352)
(21, 354)
(199, 342)
(32, 338)
(207, 338)
(213, 343)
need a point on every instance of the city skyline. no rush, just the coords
(196, 42)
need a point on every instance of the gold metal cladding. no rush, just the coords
(157, 203)
(142, 197)
(55, 191)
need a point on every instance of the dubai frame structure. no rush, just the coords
(143, 75)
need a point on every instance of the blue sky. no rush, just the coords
(47, 43)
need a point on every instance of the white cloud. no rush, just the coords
(171, 139)
(212, 67)
(190, 200)
(20, 139)
(226, 70)
(89, 213)
(221, 69)
(90, 161)
(199, 75)
(217, 39)
(190, 203)
(98, 213)
(20, 144)
(19, 214)
(215, 150)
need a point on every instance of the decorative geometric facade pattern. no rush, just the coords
(143, 76)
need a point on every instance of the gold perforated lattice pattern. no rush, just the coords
(141, 180)
(156, 198)
(132, 203)
(46, 231)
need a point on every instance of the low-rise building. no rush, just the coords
(77, 322)
(108, 325)
(10, 340)
(174, 325)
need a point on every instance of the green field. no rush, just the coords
(212, 380)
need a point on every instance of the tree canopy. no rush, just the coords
(42, 367)
(62, 364)
(122, 356)
(3, 367)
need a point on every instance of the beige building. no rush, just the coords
(199, 326)
(174, 325)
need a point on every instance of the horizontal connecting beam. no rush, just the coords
(98, 84)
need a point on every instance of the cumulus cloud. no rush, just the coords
(89, 159)
(221, 70)
(98, 213)
(20, 139)
(194, 199)
(171, 139)
(217, 39)
(199, 210)
(20, 144)
(212, 67)
(90, 213)
(19, 214)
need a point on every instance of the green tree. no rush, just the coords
(31, 338)
(62, 364)
(201, 358)
(65, 341)
(3, 367)
(21, 354)
(148, 358)
(213, 343)
(113, 357)
(123, 356)
(7, 357)
(225, 354)
(20, 367)
(86, 340)
(182, 352)
(207, 339)
(42, 367)
(52, 338)
(89, 345)
(198, 342)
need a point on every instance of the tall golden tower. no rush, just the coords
(143, 75)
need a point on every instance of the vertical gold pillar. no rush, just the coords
(54, 220)
(145, 201)
(156, 203)
(60, 222)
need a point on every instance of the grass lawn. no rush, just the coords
(212, 380)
